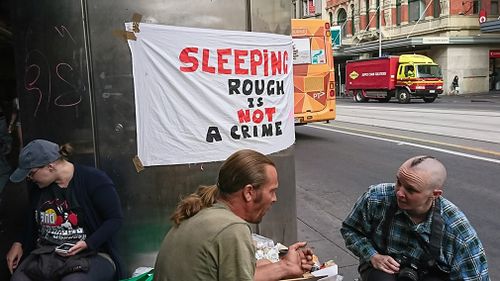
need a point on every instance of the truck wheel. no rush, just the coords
(358, 96)
(403, 96)
(429, 100)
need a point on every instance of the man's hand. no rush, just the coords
(14, 255)
(293, 260)
(306, 256)
(298, 255)
(297, 261)
(385, 263)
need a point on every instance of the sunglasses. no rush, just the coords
(33, 172)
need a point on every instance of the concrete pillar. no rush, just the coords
(350, 12)
(404, 12)
(394, 16)
(445, 10)
(362, 22)
(372, 19)
(430, 10)
(383, 21)
(348, 28)
(469, 63)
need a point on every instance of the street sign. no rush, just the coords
(482, 16)
(435, 40)
(336, 32)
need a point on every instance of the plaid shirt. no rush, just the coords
(461, 254)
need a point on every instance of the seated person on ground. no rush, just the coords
(395, 225)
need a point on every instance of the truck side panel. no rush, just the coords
(372, 74)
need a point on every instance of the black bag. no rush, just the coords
(43, 264)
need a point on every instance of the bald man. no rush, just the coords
(407, 229)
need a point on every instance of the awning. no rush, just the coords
(490, 26)
(418, 42)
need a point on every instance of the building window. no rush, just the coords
(415, 10)
(398, 12)
(317, 6)
(494, 7)
(341, 20)
(311, 7)
(470, 7)
(436, 9)
(379, 10)
(367, 8)
(353, 27)
(331, 18)
(475, 7)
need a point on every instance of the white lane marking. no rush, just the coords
(444, 111)
(398, 142)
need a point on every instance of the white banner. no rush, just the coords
(202, 94)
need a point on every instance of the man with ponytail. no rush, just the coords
(211, 238)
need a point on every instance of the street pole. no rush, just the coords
(249, 18)
(339, 81)
(380, 28)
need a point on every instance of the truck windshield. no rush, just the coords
(429, 71)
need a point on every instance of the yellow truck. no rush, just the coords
(404, 77)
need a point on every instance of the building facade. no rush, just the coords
(448, 31)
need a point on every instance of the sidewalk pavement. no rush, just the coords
(322, 230)
(491, 96)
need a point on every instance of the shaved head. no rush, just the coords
(430, 168)
(419, 182)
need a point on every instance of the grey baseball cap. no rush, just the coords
(37, 153)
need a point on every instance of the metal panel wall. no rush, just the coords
(52, 74)
(103, 122)
(270, 16)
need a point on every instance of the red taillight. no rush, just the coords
(327, 26)
(332, 93)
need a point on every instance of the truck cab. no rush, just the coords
(418, 76)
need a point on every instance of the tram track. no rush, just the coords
(409, 110)
(475, 125)
(471, 148)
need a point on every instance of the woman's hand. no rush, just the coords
(79, 246)
(14, 255)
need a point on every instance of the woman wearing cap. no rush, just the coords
(69, 203)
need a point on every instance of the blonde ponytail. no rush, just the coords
(189, 206)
